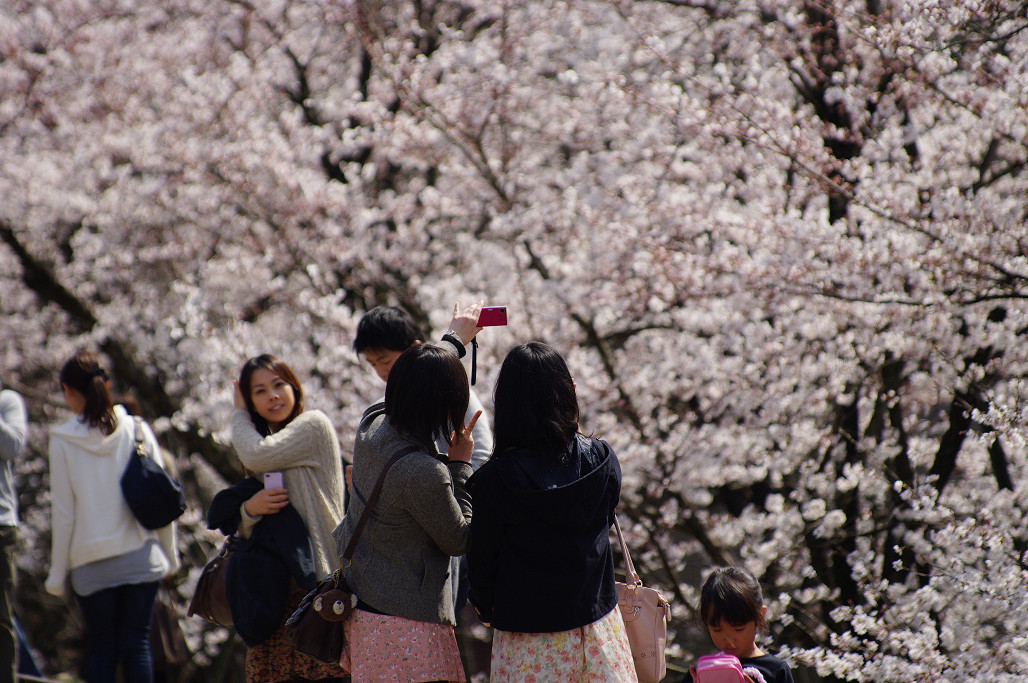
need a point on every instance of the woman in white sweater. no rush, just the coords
(115, 565)
(271, 432)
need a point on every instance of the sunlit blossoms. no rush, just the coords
(783, 245)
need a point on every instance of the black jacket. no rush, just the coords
(260, 568)
(539, 555)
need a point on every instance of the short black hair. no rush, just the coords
(386, 327)
(427, 393)
(534, 404)
(732, 595)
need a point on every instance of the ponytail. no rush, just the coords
(84, 374)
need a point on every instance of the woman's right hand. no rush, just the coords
(464, 324)
(462, 443)
(266, 502)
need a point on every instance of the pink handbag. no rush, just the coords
(719, 668)
(646, 614)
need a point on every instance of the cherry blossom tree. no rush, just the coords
(782, 244)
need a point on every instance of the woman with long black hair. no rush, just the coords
(541, 566)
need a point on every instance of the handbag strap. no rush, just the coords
(139, 436)
(372, 499)
(631, 577)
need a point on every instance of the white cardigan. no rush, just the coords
(306, 451)
(89, 517)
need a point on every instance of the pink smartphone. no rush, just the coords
(492, 316)
(273, 480)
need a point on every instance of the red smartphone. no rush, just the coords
(492, 316)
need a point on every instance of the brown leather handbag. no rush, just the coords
(646, 614)
(210, 599)
(168, 645)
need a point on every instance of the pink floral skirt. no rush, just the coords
(385, 648)
(598, 652)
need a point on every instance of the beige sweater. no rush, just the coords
(306, 451)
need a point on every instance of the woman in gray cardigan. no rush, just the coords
(402, 628)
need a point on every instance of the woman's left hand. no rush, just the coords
(240, 402)
(266, 502)
(462, 443)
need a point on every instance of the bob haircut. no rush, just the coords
(427, 393)
(386, 327)
(534, 405)
(84, 374)
(280, 369)
(731, 595)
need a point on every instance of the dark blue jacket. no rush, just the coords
(539, 555)
(257, 579)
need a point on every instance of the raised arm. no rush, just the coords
(442, 508)
(463, 327)
(295, 445)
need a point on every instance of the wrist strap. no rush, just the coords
(457, 344)
(372, 499)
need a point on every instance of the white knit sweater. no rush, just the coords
(306, 451)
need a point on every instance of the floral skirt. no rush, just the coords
(598, 652)
(384, 648)
(277, 660)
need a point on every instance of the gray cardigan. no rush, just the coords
(402, 561)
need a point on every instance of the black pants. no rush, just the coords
(8, 640)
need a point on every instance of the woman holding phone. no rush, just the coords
(298, 450)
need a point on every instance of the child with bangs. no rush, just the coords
(732, 610)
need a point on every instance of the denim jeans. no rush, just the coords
(118, 630)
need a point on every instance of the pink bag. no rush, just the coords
(719, 668)
(646, 614)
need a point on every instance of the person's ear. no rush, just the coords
(416, 342)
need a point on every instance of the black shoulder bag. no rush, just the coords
(154, 497)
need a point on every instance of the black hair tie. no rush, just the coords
(98, 372)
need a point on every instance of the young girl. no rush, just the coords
(542, 570)
(271, 432)
(115, 564)
(732, 609)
